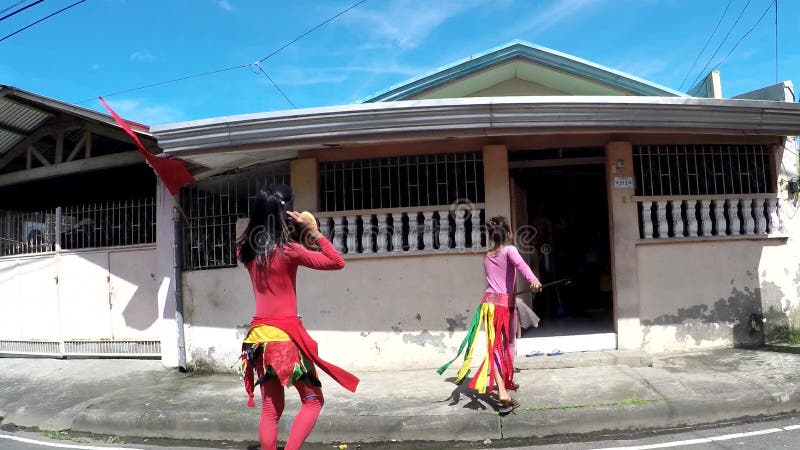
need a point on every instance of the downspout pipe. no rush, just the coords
(177, 223)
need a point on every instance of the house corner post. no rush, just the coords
(624, 230)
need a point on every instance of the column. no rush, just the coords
(624, 228)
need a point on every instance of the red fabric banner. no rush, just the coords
(172, 172)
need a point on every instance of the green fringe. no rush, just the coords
(468, 340)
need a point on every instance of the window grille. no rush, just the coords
(108, 224)
(680, 170)
(401, 182)
(212, 207)
(27, 232)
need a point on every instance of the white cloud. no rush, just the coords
(148, 114)
(405, 24)
(142, 55)
(547, 18)
(225, 4)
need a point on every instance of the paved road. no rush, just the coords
(766, 434)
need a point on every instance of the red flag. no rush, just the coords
(172, 172)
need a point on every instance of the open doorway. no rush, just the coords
(564, 206)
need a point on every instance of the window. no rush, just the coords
(212, 206)
(690, 170)
(401, 182)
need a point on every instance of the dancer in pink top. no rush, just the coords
(497, 308)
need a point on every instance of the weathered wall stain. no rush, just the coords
(457, 322)
(699, 323)
(425, 338)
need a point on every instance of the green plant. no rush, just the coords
(627, 402)
(113, 440)
(60, 435)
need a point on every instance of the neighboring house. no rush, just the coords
(664, 210)
(77, 233)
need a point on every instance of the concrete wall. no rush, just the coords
(701, 294)
(376, 313)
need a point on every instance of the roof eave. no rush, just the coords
(471, 117)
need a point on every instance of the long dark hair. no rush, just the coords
(269, 226)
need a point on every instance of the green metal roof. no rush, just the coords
(537, 61)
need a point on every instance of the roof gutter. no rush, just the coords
(475, 117)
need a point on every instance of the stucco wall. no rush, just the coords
(377, 313)
(701, 294)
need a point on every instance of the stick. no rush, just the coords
(552, 283)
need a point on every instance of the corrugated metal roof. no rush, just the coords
(19, 117)
(22, 113)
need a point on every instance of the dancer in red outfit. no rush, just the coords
(278, 350)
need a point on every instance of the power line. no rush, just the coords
(703, 70)
(747, 33)
(311, 30)
(41, 20)
(258, 66)
(159, 83)
(14, 13)
(12, 6)
(275, 52)
(706, 44)
(776, 41)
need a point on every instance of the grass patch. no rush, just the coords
(60, 435)
(633, 401)
(113, 440)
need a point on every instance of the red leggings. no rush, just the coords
(272, 408)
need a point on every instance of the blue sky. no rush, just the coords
(105, 46)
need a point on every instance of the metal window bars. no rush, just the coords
(401, 181)
(727, 169)
(212, 207)
(27, 232)
(108, 224)
(104, 224)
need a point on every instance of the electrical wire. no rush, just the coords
(706, 44)
(745, 35)
(14, 13)
(41, 20)
(251, 65)
(703, 70)
(261, 69)
(12, 6)
(311, 30)
(159, 83)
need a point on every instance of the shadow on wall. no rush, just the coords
(753, 311)
(741, 311)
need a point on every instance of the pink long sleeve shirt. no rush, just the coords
(501, 270)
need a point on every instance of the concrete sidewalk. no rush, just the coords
(581, 393)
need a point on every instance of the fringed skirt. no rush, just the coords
(495, 317)
(269, 352)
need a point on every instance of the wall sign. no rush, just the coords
(623, 182)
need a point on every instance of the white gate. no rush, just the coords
(83, 301)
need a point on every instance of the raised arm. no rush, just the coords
(520, 265)
(326, 259)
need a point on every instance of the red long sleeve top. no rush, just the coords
(274, 286)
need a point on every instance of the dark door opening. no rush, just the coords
(567, 207)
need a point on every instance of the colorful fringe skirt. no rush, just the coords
(269, 352)
(494, 316)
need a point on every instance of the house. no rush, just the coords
(668, 212)
(665, 210)
(77, 233)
